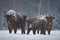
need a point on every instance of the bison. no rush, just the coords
(29, 22)
(49, 18)
(37, 24)
(10, 22)
(15, 21)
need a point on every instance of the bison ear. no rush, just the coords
(24, 16)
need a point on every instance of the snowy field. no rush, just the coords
(4, 35)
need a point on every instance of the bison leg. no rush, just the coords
(15, 30)
(43, 30)
(34, 31)
(10, 28)
(29, 29)
(23, 30)
(49, 29)
(38, 31)
(10, 31)
(48, 32)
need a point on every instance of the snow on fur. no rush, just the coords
(41, 17)
(11, 12)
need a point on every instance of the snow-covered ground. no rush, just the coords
(4, 35)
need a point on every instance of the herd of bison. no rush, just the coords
(34, 24)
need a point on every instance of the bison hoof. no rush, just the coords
(27, 33)
(24, 32)
(15, 31)
(37, 32)
(44, 34)
(10, 31)
(34, 33)
(48, 33)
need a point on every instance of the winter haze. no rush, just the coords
(32, 8)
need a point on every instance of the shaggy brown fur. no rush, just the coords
(14, 24)
(49, 18)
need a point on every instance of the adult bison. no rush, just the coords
(11, 23)
(20, 20)
(49, 18)
(29, 22)
(15, 21)
(37, 24)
